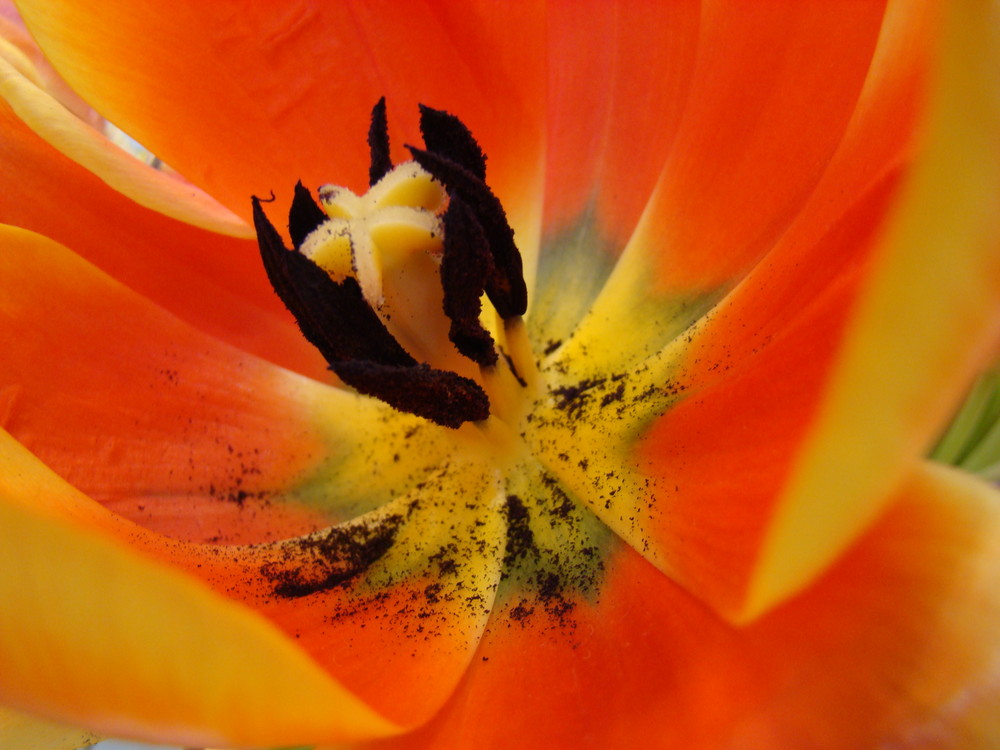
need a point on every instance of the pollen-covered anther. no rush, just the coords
(404, 288)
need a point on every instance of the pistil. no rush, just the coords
(393, 286)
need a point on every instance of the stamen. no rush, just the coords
(438, 395)
(333, 316)
(522, 357)
(505, 286)
(375, 279)
(369, 236)
(378, 143)
(446, 135)
(464, 268)
(305, 216)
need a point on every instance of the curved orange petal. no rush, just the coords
(165, 425)
(400, 629)
(177, 431)
(760, 144)
(246, 100)
(613, 70)
(193, 440)
(748, 383)
(748, 506)
(84, 144)
(896, 643)
(831, 236)
(730, 402)
(937, 272)
(75, 639)
(408, 597)
(772, 93)
(216, 283)
(19, 49)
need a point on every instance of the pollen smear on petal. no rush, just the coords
(331, 558)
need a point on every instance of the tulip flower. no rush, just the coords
(575, 396)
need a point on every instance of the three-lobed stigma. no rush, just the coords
(390, 285)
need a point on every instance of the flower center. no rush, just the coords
(414, 294)
(412, 290)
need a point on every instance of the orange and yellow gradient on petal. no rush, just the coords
(779, 303)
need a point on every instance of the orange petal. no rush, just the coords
(96, 634)
(781, 167)
(780, 482)
(748, 383)
(173, 429)
(394, 612)
(19, 49)
(81, 142)
(937, 273)
(738, 392)
(773, 91)
(895, 644)
(194, 440)
(613, 70)
(744, 131)
(407, 593)
(216, 283)
(244, 101)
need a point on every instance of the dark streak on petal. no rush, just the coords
(520, 538)
(438, 395)
(378, 143)
(335, 559)
(465, 266)
(505, 285)
(446, 135)
(304, 216)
